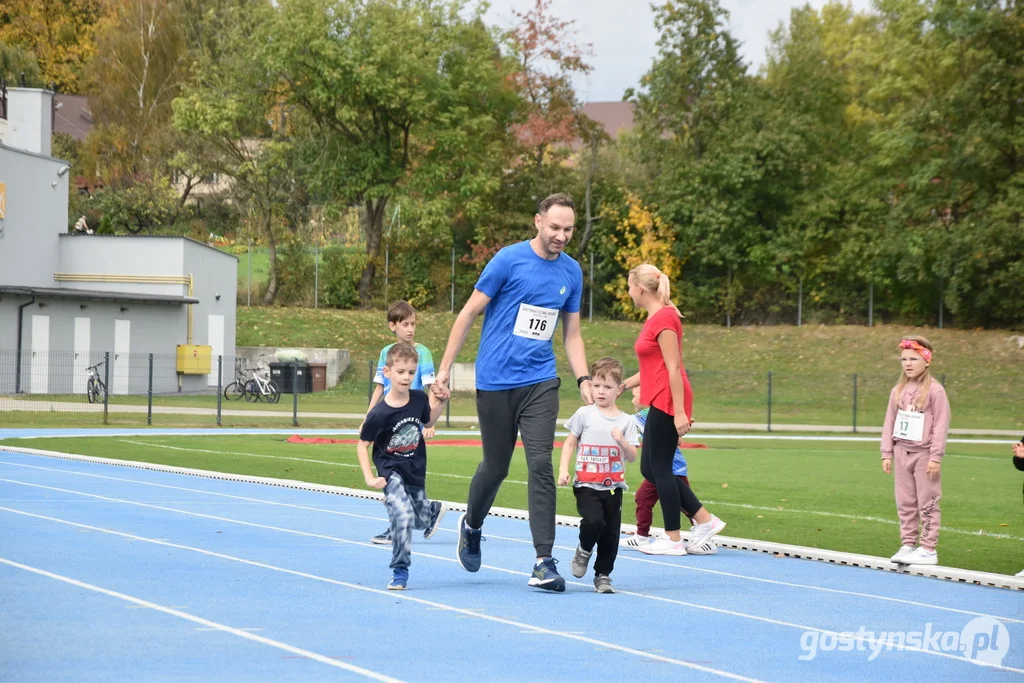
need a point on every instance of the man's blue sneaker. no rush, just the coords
(469, 546)
(546, 576)
(399, 579)
(437, 510)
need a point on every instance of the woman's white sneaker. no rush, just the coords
(702, 533)
(902, 554)
(664, 546)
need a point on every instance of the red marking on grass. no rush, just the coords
(476, 443)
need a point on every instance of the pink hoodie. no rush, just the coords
(936, 421)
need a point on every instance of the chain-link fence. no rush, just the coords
(53, 389)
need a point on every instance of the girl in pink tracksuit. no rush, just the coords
(913, 443)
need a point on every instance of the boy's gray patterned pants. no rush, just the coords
(408, 509)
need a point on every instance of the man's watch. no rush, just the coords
(581, 380)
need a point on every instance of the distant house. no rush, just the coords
(615, 117)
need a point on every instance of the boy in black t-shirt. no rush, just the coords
(394, 430)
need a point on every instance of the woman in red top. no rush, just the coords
(665, 388)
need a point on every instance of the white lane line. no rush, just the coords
(522, 626)
(286, 457)
(673, 601)
(212, 625)
(628, 558)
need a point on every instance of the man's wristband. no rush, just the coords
(581, 380)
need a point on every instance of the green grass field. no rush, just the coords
(821, 494)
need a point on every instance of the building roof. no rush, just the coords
(615, 117)
(90, 295)
(147, 237)
(37, 155)
(72, 115)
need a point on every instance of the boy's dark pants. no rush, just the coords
(602, 516)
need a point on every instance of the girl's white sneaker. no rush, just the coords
(664, 545)
(922, 556)
(902, 554)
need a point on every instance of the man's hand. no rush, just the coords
(587, 392)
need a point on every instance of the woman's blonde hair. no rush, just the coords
(925, 380)
(654, 281)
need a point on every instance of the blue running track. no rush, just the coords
(111, 573)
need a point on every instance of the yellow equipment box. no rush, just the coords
(194, 359)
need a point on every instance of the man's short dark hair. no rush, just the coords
(557, 199)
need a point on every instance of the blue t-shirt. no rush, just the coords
(424, 369)
(678, 461)
(397, 436)
(516, 343)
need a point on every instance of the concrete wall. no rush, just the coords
(36, 213)
(29, 120)
(260, 358)
(215, 278)
(152, 328)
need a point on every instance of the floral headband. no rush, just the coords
(914, 346)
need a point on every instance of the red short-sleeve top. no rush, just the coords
(654, 386)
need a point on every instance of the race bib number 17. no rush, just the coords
(534, 322)
(909, 426)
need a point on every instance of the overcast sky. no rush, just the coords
(623, 37)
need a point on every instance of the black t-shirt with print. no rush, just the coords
(397, 436)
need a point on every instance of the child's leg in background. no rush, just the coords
(906, 494)
(646, 498)
(608, 543)
(591, 509)
(420, 506)
(402, 513)
(929, 491)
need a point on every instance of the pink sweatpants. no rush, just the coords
(917, 497)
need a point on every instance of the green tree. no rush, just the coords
(17, 62)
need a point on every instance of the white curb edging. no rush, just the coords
(778, 549)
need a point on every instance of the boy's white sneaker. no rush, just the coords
(1020, 573)
(702, 533)
(922, 556)
(902, 554)
(634, 541)
(708, 548)
(663, 545)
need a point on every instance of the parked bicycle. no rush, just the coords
(261, 389)
(95, 389)
(236, 390)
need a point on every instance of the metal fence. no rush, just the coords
(51, 389)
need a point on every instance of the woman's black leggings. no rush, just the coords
(660, 441)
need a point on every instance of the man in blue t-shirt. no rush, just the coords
(523, 292)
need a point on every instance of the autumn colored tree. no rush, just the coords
(17, 63)
(59, 32)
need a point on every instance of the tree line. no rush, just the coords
(872, 166)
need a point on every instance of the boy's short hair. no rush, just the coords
(399, 311)
(607, 367)
(401, 351)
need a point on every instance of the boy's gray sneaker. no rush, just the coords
(603, 584)
(580, 562)
(382, 538)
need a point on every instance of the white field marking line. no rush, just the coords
(628, 558)
(286, 457)
(708, 608)
(212, 625)
(392, 594)
(470, 612)
(862, 518)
